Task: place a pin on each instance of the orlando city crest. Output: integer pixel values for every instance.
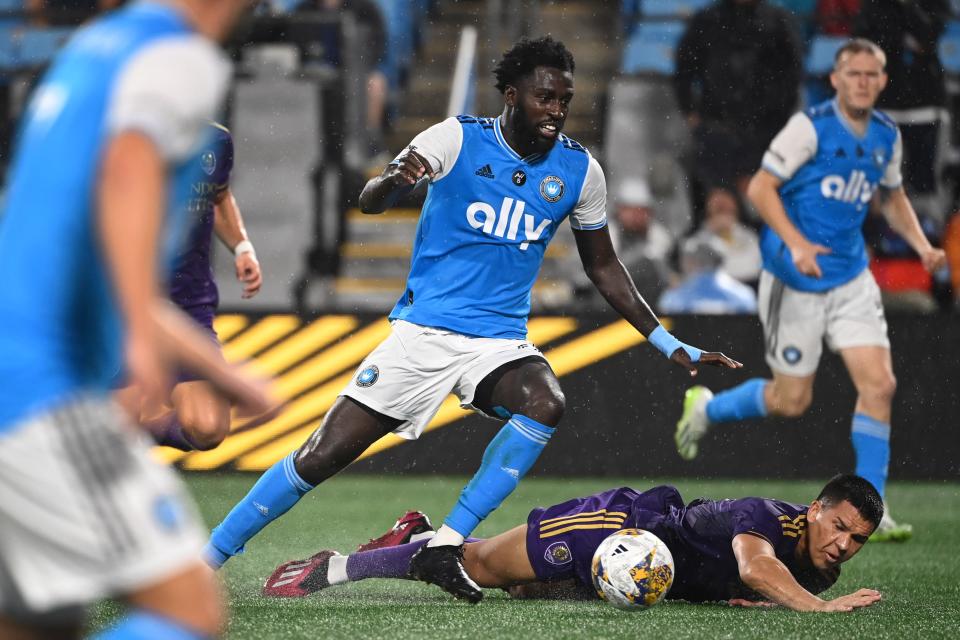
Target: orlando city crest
(208, 162)
(551, 188)
(558, 553)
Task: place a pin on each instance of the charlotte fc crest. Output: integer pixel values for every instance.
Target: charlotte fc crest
(208, 162)
(551, 188)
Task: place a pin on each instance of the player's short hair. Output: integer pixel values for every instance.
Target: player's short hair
(526, 55)
(859, 45)
(858, 492)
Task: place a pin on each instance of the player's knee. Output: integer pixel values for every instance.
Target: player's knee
(884, 388)
(546, 407)
(792, 403)
(205, 426)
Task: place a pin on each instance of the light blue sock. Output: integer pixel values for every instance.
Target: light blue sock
(507, 459)
(143, 625)
(740, 403)
(275, 492)
(871, 443)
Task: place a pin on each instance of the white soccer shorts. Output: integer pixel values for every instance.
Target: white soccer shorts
(85, 512)
(795, 323)
(409, 374)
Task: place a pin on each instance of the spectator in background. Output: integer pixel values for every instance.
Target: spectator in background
(909, 32)
(836, 17)
(737, 82)
(738, 243)
(951, 245)
(706, 287)
(643, 243)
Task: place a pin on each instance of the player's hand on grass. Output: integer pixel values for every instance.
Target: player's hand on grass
(248, 273)
(712, 358)
(804, 256)
(410, 167)
(933, 259)
(857, 600)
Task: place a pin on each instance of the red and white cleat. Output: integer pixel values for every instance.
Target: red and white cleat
(410, 524)
(299, 578)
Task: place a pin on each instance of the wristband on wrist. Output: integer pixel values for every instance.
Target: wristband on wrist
(666, 343)
(244, 247)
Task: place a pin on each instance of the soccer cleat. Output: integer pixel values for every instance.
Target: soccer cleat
(299, 578)
(889, 530)
(443, 566)
(408, 525)
(693, 424)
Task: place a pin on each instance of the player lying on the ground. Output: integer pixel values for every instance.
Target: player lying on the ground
(195, 417)
(747, 551)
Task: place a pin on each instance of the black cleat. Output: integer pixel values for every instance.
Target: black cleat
(443, 566)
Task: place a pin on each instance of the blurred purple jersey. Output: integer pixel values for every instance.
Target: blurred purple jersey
(562, 539)
(192, 286)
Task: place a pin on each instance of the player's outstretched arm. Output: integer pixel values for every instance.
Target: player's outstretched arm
(763, 193)
(615, 284)
(901, 216)
(397, 180)
(761, 571)
(229, 227)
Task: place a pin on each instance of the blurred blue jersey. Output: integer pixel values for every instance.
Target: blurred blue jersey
(829, 175)
(485, 227)
(60, 329)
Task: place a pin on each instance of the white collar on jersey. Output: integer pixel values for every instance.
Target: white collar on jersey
(498, 134)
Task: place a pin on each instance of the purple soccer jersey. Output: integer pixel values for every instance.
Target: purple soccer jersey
(192, 286)
(562, 539)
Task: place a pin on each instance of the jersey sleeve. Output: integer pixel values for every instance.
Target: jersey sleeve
(892, 178)
(760, 518)
(792, 147)
(439, 145)
(155, 96)
(590, 211)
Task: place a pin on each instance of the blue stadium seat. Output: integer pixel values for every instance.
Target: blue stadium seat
(950, 52)
(822, 51)
(38, 46)
(652, 47)
(671, 9)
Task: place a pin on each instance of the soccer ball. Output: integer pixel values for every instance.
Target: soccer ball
(632, 569)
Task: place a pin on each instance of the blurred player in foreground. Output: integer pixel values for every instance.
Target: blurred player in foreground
(813, 192)
(499, 189)
(106, 147)
(749, 551)
(196, 416)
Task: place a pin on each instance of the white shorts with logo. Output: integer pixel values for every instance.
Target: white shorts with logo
(410, 374)
(795, 323)
(86, 513)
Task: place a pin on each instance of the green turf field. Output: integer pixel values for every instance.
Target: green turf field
(919, 579)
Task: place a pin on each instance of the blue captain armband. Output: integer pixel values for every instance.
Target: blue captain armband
(666, 343)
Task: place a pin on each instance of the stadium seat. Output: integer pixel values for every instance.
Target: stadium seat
(819, 61)
(671, 9)
(652, 47)
(950, 52)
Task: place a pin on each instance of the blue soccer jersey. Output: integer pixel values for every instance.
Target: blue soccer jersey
(829, 175)
(139, 69)
(486, 223)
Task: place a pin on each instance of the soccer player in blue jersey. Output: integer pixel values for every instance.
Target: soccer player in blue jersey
(746, 551)
(196, 416)
(105, 146)
(813, 192)
(499, 189)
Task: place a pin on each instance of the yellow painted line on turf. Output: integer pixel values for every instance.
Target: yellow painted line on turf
(567, 358)
(229, 325)
(539, 331)
(259, 336)
(313, 405)
(314, 336)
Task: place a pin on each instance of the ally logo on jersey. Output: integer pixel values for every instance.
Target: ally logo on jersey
(855, 189)
(506, 224)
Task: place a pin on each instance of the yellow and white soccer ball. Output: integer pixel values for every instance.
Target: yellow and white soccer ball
(632, 569)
